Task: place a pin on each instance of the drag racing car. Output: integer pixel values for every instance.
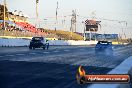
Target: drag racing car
(104, 47)
(38, 42)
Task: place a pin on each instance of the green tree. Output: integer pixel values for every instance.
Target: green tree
(2, 12)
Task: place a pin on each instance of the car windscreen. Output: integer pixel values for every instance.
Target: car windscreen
(104, 43)
(37, 39)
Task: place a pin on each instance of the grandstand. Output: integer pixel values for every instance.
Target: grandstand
(51, 34)
(18, 26)
(24, 29)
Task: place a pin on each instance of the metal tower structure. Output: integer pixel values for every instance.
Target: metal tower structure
(73, 21)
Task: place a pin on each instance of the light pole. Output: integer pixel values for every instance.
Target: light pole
(45, 22)
(19, 16)
(15, 12)
(84, 30)
(71, 29)
(15, 15)
(19, 12)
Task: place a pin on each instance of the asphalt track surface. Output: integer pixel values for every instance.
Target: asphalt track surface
(56, 67)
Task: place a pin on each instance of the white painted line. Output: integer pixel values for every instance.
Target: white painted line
(81, 49)
(1, 56)
(66, 50)
(10, 55)
(20, 54)
(74, 55)
(46, 52)
(55, 51)
(32, 53)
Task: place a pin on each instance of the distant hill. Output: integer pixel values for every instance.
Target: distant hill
(65, 35)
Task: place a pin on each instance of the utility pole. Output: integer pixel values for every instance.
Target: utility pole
(56, 23)
(36, 13)
(4, 15)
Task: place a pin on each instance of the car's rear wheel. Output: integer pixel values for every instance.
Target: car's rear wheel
(44, 47)
(30, 47)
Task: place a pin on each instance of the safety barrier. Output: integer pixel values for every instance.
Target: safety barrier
(25, 42)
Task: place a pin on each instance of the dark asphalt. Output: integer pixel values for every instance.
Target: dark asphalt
(56, 67)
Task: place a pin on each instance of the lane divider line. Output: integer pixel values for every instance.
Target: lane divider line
(55, 51)
(1, 56)
(81, 49)
(20, 54)
(46, 52)
(66, 50)
(32, 53)
(9, 55)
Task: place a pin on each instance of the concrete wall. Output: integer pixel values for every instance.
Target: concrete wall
(25, 42)
(14, 42)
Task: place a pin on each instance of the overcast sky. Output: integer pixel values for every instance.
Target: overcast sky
(104, 10)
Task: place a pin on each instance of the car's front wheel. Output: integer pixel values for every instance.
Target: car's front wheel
(33, 47)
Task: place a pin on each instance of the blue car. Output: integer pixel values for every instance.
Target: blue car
(104, 47)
